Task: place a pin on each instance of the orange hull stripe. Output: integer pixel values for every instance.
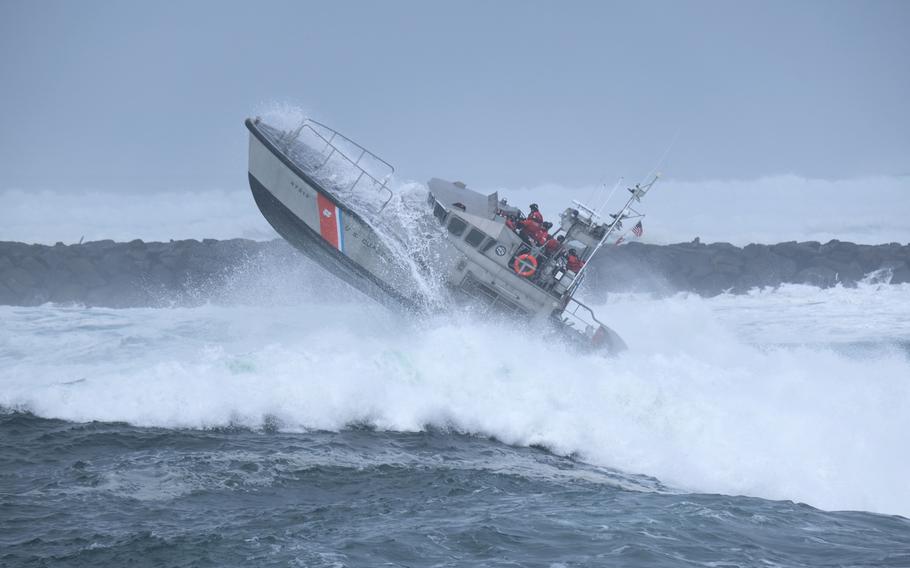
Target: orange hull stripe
(328, 221)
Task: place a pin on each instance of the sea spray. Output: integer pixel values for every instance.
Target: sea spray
(691, 403)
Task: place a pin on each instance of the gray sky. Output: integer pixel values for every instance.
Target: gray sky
(132, 96)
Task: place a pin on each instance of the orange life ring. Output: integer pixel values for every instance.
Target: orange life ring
(525, 265)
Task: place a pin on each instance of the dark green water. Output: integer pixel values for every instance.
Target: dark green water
(101, 494)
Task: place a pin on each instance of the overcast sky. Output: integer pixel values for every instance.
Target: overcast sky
(151, 96)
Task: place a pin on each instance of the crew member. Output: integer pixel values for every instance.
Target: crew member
(535, 214)
(529, 229)
(552, 245)
(574, 263)
(543, 235)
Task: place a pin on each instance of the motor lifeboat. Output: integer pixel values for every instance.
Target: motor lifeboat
(326, 195)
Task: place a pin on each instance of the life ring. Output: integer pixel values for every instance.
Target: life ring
(525, 265)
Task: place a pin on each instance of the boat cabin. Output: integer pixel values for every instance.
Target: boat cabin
(494, 264)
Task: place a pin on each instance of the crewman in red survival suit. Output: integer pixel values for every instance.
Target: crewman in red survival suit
(535, 214)
(529, 229)
(552, 245)
(543, 235)
(574, 263)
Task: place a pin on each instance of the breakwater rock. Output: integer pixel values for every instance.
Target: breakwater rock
(188, 272)
(711, 269)
(133, 274)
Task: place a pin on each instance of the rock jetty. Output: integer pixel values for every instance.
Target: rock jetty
(136, 274)
(711, 269)
(133, 274)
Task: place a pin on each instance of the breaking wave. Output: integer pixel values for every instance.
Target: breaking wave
(701, 401)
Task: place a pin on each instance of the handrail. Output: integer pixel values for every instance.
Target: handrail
(329, 142)
(573, 313)
(336, 133)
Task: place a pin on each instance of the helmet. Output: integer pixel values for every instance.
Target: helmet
(533, 207)
(561, 238)
(572, 252)
(547, 224)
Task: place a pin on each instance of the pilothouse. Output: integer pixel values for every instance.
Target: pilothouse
(327, 195)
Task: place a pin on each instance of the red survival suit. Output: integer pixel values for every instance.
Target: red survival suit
(574, 263)
(533, 230)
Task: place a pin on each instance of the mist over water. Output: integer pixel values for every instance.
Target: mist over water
(47, 217)
(767, 211)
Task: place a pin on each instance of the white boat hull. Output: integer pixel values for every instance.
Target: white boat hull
(314, 221)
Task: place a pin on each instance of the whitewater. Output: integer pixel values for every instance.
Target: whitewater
(797, 393)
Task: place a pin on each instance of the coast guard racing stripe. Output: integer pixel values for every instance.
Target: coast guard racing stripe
(330, 223)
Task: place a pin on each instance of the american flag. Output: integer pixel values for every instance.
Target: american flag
(637, 230)
(618, 241)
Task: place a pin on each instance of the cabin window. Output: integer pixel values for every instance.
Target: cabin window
(474, 238)
(457, 226)
(488, 245)
(440, 212)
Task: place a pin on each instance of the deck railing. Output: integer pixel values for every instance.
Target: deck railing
(575, 313)
(337, 145)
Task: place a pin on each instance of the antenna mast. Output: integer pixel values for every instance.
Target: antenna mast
(627, 212)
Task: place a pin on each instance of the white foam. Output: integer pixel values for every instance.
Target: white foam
(691, 403)
(871, 312)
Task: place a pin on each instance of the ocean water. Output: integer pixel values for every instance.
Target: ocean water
(314, 428)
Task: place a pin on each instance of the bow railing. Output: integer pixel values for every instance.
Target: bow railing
(580, 317)
(335, 147)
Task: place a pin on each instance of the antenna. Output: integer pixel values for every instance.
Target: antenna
(607, 200)
(595, 190)
(627, 212)
(663, 157)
